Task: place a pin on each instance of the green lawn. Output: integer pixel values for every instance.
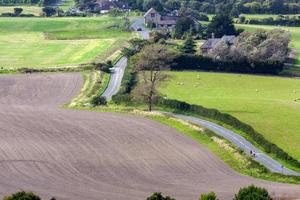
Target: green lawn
(266, 103)
(35, 10)
(51, 42)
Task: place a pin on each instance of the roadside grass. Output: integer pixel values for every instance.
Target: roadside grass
(269, 104)
(53, 42)
(94, 83)
(35, 10)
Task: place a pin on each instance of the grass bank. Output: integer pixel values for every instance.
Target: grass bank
(271, 105)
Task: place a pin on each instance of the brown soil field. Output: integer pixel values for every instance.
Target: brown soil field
(85, 155)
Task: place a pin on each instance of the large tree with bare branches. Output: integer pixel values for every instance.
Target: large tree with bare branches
(152, 61)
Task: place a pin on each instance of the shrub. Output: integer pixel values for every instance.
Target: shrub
(49, 11)
(208, 196)
(252, 192)
(159, 196)
(22, 196)
(98, 101)
(122, 98)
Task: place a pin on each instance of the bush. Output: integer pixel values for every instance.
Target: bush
(122, 98)
(203, 17)
(252, 192)
(22, 196)
(49, 11)
(231, 121)
(159, 196)
(98, 101)
(208, 196)
(105, 67)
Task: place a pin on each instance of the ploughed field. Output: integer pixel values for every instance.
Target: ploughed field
(53, 42)
(73, 154)
(271, 105)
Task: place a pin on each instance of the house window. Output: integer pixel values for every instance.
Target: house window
(152, 14)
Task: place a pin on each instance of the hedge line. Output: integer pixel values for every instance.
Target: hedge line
(232, 121)
(198, 62)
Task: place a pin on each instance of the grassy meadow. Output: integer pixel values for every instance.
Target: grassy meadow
(51, 42)
(35, 10)
(270, 104)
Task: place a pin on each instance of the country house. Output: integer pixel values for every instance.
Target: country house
(155, 20)
(209, 44)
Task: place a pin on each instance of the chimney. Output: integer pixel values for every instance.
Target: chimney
(213, 35)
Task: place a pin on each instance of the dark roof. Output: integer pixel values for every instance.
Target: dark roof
(107, 5)
(167, 22)
(210, 43)
(168, 17)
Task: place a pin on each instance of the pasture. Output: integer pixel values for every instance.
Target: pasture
(51, 42)
(35, 10)
(270, 104)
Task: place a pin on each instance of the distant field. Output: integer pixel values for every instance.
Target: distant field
(35, 10)
(295, 34)
(266, 103)
(47, 42)
(257, 16)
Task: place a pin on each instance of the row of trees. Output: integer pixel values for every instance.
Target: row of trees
(27, 2)
(280, 20)
(247, 193)
(251, 192)
(235, 7)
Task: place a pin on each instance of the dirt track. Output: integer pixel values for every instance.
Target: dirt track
(82, 155)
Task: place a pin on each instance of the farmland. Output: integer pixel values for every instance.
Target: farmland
(269, 104)
(35, 10)
(50, 42)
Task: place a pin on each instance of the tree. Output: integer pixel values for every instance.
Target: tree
(152, 61)
(159, 196)
(49, 11)
(189, 46)
(221, 24)
(18, 11)
(22, 196)
(252, 193)
(183, 25)
(208, 196)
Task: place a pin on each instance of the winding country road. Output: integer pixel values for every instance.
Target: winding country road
(238, 140)
(72, 154)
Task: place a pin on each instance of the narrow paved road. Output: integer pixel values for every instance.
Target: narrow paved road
(139, 23)
(233, 137)
(115, 78)
(240, 142)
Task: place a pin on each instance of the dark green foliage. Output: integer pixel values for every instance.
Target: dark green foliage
(214, 114)
(184, 25)
(18, 11)
(105, 67)
(221, 24)
(189, 46)
(49, 11)
(98, 101)
(203, 17)
(208, 196)
(199, 62)
(280, 20)
(22, 196)
(252, 193)
(158, 35)
(159, 196)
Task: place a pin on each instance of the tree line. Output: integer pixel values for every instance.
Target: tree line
(234, 7)
(27, 2)
(250, 192)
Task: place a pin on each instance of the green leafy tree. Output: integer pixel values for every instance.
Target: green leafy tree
(151, 62)
(49, 11)
(252, 193)
(221, 24)
(22, 196)
(159, 196)
(183, 25)
(189, 46)
(18, 11)
(208, 196)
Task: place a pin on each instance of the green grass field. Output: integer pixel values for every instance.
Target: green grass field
(51, 42)
(266, 103)
(35, 10)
